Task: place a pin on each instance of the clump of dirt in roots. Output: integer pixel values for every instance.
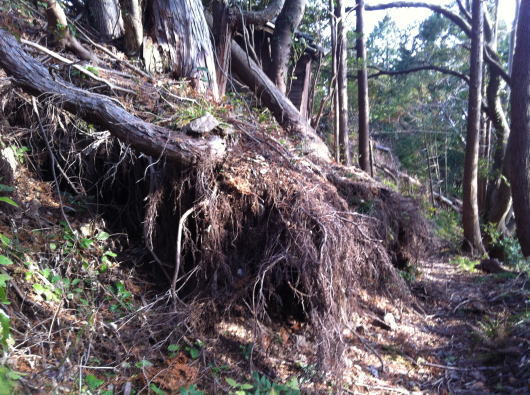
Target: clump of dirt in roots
(276, 236)
(265, 232)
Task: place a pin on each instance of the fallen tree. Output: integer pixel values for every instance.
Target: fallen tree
(145, 137)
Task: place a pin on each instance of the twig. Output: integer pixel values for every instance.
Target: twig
(73, 64)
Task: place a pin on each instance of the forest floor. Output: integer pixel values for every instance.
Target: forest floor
(463, 331)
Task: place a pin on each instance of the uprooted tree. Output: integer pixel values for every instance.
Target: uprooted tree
(290, 237)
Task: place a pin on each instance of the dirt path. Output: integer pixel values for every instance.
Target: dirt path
(472, 336)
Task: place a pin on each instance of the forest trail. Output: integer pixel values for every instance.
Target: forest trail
(468, 340)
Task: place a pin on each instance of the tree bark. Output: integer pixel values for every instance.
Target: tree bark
(131, 11)
(223, 25)
(470, 212)
(60, 33)
(262, 16)
(183, 38)
(518, 143)
(281, 107)
(286, 24)
(362, 88)
(106, 18)
(342, 82)
(150, 139)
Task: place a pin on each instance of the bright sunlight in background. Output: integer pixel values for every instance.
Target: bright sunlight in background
(412, 16)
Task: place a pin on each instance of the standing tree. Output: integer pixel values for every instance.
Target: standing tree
(183, 37)
(286, 24)
(362, 81)
(518, 143)
(342, 82)
(470, 213)
(106, 17)
(131, 11)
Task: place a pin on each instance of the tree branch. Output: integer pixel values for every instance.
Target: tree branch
(489, 53)
(439, 69)
(262, 16)
(455, 18)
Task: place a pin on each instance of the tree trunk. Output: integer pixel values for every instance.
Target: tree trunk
(518, 143)
(106, 17)
(223, 25)
(183, 38)
(286, 24)
(362, 87)
(333, 81)
(470, 214)
(59, 32)
(342, 82)
(281, 107)
(131, 11)
(150, 139)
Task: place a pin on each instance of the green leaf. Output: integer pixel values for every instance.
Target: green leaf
(85, 243)
(6, 241)
(7, 200)
(53, 246)
(5, 328)
(156, 390)
(194, 353)
(93, 382)
(102, 236)
(4, 278)
(231, 382)
(246, 386)
(173, 347)
(144, 363)
(4, 260)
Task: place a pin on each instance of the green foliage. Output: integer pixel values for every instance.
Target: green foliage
(509, 246)
(447, 225)
(191, 390)
(465, 263)
(8, 380)
(93, 382)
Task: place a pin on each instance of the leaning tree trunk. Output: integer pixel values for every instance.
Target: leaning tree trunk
(362, 87)
(106, 17)
(342, 82)
(131, 11)
(281, 107)
(286, 24)
(470, 213)
(181, 32)
(518, 143)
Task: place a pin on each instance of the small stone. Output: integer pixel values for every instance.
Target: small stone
(202, 125)
(390, 320)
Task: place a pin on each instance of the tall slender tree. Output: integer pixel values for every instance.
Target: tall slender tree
(342, 82)
(362, 83)
(470, 212)
(519, 141)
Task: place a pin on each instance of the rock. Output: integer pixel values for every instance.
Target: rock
(202, 125)
(390, 320)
